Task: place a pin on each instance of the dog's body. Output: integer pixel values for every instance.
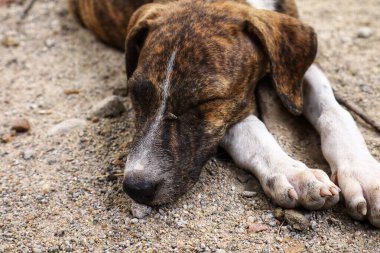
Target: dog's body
(192, 67)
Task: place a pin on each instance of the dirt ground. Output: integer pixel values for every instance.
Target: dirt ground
(54, 196)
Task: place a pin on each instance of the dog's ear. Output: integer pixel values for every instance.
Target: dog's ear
(290, 46)
(138, 29)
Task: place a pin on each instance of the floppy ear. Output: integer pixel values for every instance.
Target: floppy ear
(291, 47)
(138, 29)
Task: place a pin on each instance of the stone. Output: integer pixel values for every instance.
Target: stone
(20, 125)
(248, 194)
(53, 249)
(366, 88)
(6, 138)
(49, 43)
(46, 188)
(71, 91)
(140, 211)
(28, 154)
(296, 220)
(108, 107)
(257, 227)
(9, 41)
(37, 249)
(67, 126)
(279, 213)
(365, 32)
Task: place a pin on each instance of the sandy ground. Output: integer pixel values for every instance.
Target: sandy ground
(56, 200)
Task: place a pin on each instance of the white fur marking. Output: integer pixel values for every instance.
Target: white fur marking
(263, 4)
(147, 142)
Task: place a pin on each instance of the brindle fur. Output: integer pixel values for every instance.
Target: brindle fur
(223, 48)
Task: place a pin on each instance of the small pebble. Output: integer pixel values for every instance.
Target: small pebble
(37, 249)
(10, 42)
(21, 125)
(6, 138)
(313, 225)
(67, 126)
(108, 107)
(297, 220)
(249, 194)
(279, 239)
(46, 188)
(71, 91)
(365, 32)
(49, 43)
(257, 227)
(366, 88)
(279, 213)
(28, 154)
(53, 249)
(251, 219)
(140, 211)
(220, 251)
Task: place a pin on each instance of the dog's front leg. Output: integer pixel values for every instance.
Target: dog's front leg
(352, 165)
(288, 182)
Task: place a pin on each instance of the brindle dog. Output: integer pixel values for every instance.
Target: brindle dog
(192, 68)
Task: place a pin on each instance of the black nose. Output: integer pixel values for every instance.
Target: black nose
(141, 191)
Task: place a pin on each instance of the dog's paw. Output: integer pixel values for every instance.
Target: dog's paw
(291, 184)
(360, 184)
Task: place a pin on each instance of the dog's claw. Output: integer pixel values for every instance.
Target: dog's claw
(334, 190)
(325, 192)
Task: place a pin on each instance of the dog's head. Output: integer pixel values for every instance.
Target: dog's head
(192, 68)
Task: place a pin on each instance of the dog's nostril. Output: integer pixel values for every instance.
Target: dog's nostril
(141, 191)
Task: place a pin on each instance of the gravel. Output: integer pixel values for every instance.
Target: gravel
(63, 188)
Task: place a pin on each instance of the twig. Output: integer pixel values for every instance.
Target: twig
(27, 9)
(116, 175)
(279, 229)
(352, 107)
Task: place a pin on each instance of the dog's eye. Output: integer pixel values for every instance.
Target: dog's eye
(209, 100)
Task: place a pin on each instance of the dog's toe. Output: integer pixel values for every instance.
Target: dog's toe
(296, 185)
(279, 189)
(361, 191)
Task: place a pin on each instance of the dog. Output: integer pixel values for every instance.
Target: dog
(192, 68)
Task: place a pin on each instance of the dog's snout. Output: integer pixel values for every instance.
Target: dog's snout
(140, 190)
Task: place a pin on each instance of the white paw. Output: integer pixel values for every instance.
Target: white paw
(291, 184)
(360, 184)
